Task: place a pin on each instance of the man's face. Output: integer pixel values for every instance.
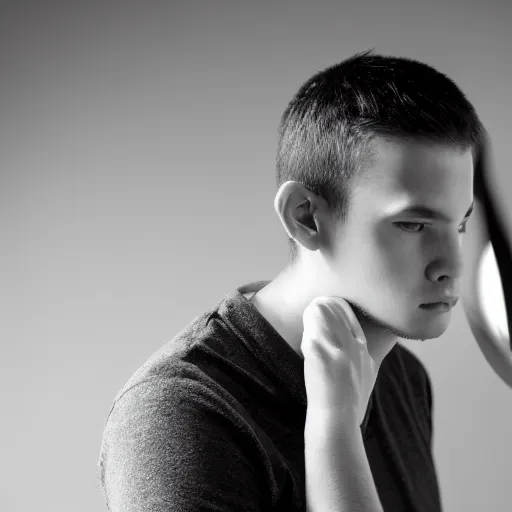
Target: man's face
(387, 269)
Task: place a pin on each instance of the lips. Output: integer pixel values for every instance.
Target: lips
(449, 302)
(437, 306)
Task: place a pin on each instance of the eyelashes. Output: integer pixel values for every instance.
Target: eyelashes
(400, 224)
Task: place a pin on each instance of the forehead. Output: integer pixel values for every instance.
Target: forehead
(405, 173)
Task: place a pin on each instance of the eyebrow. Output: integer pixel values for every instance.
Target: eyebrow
(428, 213)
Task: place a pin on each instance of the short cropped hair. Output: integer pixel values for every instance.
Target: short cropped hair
(326, 132)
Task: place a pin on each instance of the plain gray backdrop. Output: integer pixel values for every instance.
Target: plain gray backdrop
(138, 146)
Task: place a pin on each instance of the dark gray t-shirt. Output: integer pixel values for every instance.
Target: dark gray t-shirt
(214, 421)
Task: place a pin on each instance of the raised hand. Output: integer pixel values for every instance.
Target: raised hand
(338, 370)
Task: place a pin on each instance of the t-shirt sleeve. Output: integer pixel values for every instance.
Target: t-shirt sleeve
(170, 445)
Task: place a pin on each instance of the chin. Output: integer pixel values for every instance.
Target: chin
(419, 328)
(429, 331)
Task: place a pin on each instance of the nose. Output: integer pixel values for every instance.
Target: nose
(448, 263)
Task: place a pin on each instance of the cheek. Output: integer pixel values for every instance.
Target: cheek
(378, 263)
(372, 273)
(386, 269)
(399, 256)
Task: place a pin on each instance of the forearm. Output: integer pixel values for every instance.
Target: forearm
(338, 475)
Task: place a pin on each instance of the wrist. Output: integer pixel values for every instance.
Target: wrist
(324, 420)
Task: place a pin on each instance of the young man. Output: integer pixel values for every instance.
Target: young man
(375, 178)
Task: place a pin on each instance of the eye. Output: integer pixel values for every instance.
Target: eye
(410, 224)
(462, 228)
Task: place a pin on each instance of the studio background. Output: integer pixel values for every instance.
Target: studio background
(138, 144)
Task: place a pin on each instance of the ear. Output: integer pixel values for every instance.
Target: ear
(302, 214)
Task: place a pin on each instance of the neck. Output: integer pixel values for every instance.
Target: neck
(283, 300)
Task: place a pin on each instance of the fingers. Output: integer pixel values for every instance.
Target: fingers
(333, 317)
(318, 353)
(350, 318)
(330, 327)
(315, 319)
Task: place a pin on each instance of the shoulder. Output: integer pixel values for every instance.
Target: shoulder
(174, 431)
(188, 373)
(176, 426)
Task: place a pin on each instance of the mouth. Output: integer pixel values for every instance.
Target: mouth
(437, 306)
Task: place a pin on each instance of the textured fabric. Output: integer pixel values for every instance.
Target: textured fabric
(214, 421)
